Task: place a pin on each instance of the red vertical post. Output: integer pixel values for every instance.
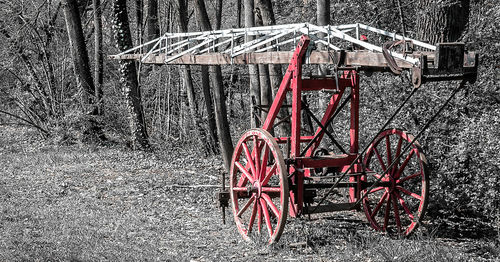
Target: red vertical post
(354, 129)
(354, 192)
(297, 197)
(298, 179)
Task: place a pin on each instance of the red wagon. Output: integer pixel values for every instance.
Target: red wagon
(273, 177)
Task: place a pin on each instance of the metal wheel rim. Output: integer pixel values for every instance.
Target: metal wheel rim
(402, 204)
(259, 196)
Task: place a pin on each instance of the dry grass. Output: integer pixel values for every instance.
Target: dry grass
(88, 203)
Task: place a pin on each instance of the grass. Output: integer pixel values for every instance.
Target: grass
(90, 203)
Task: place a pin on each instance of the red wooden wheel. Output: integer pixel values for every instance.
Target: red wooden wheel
(398, 203)
(259, 186)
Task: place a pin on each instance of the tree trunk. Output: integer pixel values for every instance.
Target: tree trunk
(323, 18)
(212, 125)
(139, 16)
(79, 53)
(442, 21)
(265, 9)
(253, 70)
(98, 55)
(128, 78)
(188, 81)
(218, 15)
(225, 142)
(264, 81)
(153, 28)
(238, 13)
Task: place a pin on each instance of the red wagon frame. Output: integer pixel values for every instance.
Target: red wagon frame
(389, 177)
(258, 157)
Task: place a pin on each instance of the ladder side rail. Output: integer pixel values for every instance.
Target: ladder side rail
(372, 47)
(399, 37)
(219, 44)
(244, 46)
(208, 41)
(139, 46)
(270, 39)
(293, 39)
(149, 52)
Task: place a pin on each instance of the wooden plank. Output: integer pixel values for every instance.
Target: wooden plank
(325, 161)
(352, 58)
(329, 208)
(323, 84)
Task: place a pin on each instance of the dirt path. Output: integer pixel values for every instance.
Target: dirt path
(85, 203)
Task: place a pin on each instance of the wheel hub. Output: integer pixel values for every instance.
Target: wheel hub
(257, 188)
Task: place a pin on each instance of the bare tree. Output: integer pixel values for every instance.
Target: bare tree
(265, 9)
(211, 123)
(323, 18)
(225, 142)
(153, 28)
(128, 78)
(188, 81)
(264, 81)
(253, 70)
(79, 52)
(98, 55)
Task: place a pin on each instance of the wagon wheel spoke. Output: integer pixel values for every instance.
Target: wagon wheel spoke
(376, 189)
(244, 172)
(409, 193)
(403, 165)
(247, 205)
(249, 158)
(256, 158)
(269, 174)
(400, 181)
(396, 213)
(379, 205)
(271, 205)
(398, 148)
(387, 211)
(379, 157)
(243, 179)
(388, 150)
(252, 217)
(263, 168)
(267, 219)
(259, 216)
(405, 207)
(240, 189)
(271, 189)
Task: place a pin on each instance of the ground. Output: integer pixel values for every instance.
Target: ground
(93, 203)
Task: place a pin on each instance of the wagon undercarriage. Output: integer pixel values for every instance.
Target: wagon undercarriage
(273, 177)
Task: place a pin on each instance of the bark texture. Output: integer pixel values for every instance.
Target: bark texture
(98, 55)
(211, 123)
(264, 81)
(265, 9)
(323, 18)
(442, 21)
(153, 28)
(128, 79)
(253, 70)
(225, 142)
(79, 53)
(188, 82)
